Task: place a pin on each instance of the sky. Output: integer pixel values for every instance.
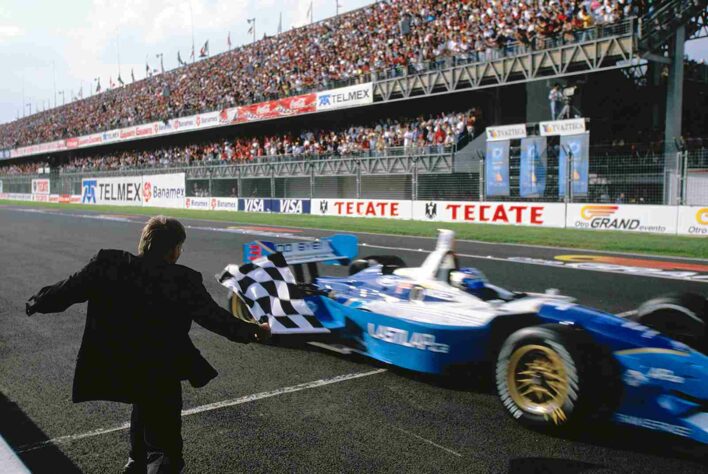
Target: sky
(48, 44)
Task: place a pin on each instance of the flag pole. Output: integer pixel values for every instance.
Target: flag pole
(54, 81)
(191, 22)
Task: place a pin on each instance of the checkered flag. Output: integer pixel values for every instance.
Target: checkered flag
(268, 289)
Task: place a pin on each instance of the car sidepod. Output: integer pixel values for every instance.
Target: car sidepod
(665, 390)
(664, 383)
(422, 347)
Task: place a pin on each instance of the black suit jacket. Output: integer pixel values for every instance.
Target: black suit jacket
(137, 324)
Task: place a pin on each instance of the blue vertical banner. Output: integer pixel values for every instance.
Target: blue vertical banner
(496, 166)
(578, 146)
(532, 176)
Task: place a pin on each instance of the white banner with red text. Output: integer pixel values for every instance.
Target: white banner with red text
(387, 209)
(510, 213)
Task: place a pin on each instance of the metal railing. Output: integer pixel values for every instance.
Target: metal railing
(678, 178)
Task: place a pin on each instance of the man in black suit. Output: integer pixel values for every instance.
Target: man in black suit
(136, 347)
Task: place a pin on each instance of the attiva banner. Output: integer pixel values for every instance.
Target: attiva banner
(574, 149)
(533, 172)
(497, 168)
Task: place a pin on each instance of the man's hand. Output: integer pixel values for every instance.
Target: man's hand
(263, 332)
(31, 305)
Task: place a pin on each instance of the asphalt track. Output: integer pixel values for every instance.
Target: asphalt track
(296, 409)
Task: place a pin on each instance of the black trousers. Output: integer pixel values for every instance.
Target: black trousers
(156, 428)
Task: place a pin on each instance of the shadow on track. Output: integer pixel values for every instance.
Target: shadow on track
(19, 430)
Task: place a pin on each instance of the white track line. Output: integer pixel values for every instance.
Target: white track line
(210, 407)
(425, 440)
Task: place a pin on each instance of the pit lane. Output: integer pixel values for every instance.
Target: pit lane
(389, 421)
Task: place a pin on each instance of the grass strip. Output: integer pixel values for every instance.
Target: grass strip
(633, 242)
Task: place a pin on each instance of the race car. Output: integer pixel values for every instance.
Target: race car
(556, 363)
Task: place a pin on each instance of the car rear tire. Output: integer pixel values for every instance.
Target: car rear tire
(548, 377)
(389, 263)
(680, 316)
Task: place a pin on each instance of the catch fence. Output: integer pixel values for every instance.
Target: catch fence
(648, 178)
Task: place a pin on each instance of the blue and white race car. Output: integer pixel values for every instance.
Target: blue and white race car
(556, 362)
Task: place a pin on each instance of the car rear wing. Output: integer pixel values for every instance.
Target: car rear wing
(339, 249)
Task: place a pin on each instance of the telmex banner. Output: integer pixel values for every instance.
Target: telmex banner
(360, 94)
(162, 190)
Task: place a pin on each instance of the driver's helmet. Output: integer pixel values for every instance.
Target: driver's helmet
(468, 279)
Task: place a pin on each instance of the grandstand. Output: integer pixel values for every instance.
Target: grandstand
(419, 82)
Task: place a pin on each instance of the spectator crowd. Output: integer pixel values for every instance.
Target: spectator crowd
(432, 134)
(387, 37)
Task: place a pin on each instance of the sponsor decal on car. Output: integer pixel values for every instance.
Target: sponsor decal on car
(402, 337)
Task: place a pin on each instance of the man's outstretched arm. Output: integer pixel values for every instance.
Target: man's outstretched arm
(58, 297)
(207, 313)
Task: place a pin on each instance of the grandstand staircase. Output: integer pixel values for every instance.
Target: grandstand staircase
(658, 29)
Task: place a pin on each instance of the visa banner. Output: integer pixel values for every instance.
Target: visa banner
(282, 206)
(577, 146)
(532, 175)
(497, 168)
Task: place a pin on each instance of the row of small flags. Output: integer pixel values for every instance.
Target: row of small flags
(203, 53)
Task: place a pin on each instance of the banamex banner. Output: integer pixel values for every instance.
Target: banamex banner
(624, 217)
(509, 213)
(164, 190)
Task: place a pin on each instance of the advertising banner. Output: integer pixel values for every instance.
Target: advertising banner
(515, 213)
(362, 208)
(693, 220)
(119, 191)
(626, 217)
(40, 186)
(496, 167)
(254, 205)
(164, 190)
(578, 148)
(532, 175)
(562, 127)
(223, 204)
(290, 206)
(197, 203)
(360, 94)
(506, 132)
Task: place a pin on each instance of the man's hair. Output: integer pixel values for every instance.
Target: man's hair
(160, 235)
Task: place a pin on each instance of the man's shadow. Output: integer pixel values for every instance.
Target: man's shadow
(20, 431)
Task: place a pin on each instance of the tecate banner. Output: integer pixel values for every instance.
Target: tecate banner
(40, 186)
(506, 132)
(122, 191)
(625, 217)
(164, 190)
(360, 94)
(693, 220)
(514, 213)
(362, 208)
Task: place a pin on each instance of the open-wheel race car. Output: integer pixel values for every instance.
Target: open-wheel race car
(556, 362)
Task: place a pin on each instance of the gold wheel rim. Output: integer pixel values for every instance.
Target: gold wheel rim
(538, 381)
(239, 310)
